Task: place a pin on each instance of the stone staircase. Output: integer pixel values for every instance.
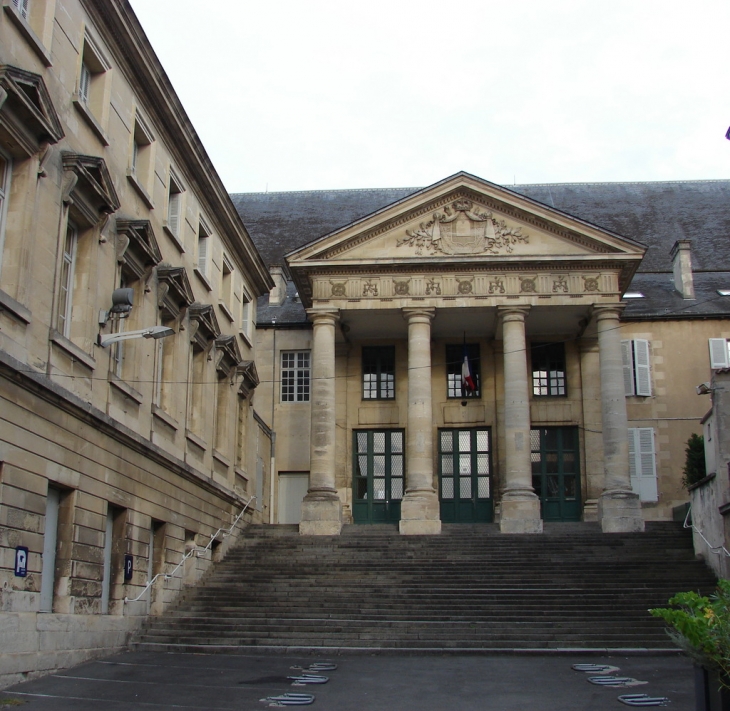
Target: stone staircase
(469, 589)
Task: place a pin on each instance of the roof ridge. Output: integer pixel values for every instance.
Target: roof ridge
(621, 182)
(333, 190)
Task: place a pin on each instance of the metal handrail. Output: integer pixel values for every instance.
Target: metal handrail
(717, 550)
(197, 551)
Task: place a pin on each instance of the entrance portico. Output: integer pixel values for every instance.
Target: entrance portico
(465, 267)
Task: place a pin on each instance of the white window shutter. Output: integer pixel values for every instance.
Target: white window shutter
(642, 463)
(202, 254)
(627, 360)
(84, 84)
(641, 367)
(173, 213)
(648, 482)
(719, 353)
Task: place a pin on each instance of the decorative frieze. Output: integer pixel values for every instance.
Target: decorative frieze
(475, 285)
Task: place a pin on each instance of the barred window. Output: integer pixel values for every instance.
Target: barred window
(295, 376)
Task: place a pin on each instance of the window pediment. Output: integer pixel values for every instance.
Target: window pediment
(27, 115)
(174, 292)
(137, 247)
(250, 377)
(228, 356)
(204, 326)
(89, 188)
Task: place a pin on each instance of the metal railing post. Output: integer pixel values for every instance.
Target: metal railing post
(198, 552)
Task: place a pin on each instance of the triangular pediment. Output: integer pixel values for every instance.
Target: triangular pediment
(465, 222)
(464, 218)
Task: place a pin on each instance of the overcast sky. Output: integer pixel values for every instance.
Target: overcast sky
(322, 94)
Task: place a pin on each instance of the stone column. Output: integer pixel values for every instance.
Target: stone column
(321, 507)
(592, 426)
(520, 505)
(619, 509)
(420, 505)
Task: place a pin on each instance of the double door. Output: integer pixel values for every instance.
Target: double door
(465, 475)
(556, 472)
(379, 470)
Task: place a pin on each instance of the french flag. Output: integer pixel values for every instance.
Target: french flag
(467, 378)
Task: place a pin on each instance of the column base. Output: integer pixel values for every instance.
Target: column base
(590, 510)
(419, 514)
(321, 515)
(619, 511)
(520, 514)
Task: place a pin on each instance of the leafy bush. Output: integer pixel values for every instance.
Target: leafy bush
(694, 467)
(701, 627)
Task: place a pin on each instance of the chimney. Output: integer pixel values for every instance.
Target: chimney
(277, 295)
(682, 267)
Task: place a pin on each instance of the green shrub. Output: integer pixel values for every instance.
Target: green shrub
(701, 627)
(694, 467)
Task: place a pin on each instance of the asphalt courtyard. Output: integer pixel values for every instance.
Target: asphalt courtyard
(148, 681)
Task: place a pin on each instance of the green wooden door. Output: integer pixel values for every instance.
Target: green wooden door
(465, 471)
(379, 468)
(556, 472)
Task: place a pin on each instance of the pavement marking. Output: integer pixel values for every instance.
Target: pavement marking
(151, 683)
(112, 701)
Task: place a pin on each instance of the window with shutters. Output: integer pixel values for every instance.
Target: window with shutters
(22, 6)
(642, 463)
(247, 315)
(175, 192)
(204, 251)
(66, 281)
(94, 88)
(295, 376)
(34, 19)
(142, 160)
(636, 365)
(719, 353)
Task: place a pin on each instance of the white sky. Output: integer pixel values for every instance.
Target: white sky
(322, 94)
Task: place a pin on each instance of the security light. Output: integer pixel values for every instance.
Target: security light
(153, 332)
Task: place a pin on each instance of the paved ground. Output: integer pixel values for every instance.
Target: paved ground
(146, 681)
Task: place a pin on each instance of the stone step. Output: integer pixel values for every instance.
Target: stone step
(469, 588)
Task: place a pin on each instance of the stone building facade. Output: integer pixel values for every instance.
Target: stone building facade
(115, 459)
(584, 312)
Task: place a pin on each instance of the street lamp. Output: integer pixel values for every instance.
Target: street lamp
(155, 332)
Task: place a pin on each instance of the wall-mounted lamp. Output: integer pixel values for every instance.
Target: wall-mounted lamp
(153, 332)
(704, 389)
(122, 302)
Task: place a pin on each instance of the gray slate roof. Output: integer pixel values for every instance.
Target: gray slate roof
(655, 214)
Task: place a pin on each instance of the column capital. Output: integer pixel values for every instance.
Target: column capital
(419, 314)
(512, 313)
(608, 311)
(323, 315)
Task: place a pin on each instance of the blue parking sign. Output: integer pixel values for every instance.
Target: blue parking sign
(128, 567)
(21, 562)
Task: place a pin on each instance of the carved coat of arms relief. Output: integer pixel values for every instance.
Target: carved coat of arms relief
(463, 229)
